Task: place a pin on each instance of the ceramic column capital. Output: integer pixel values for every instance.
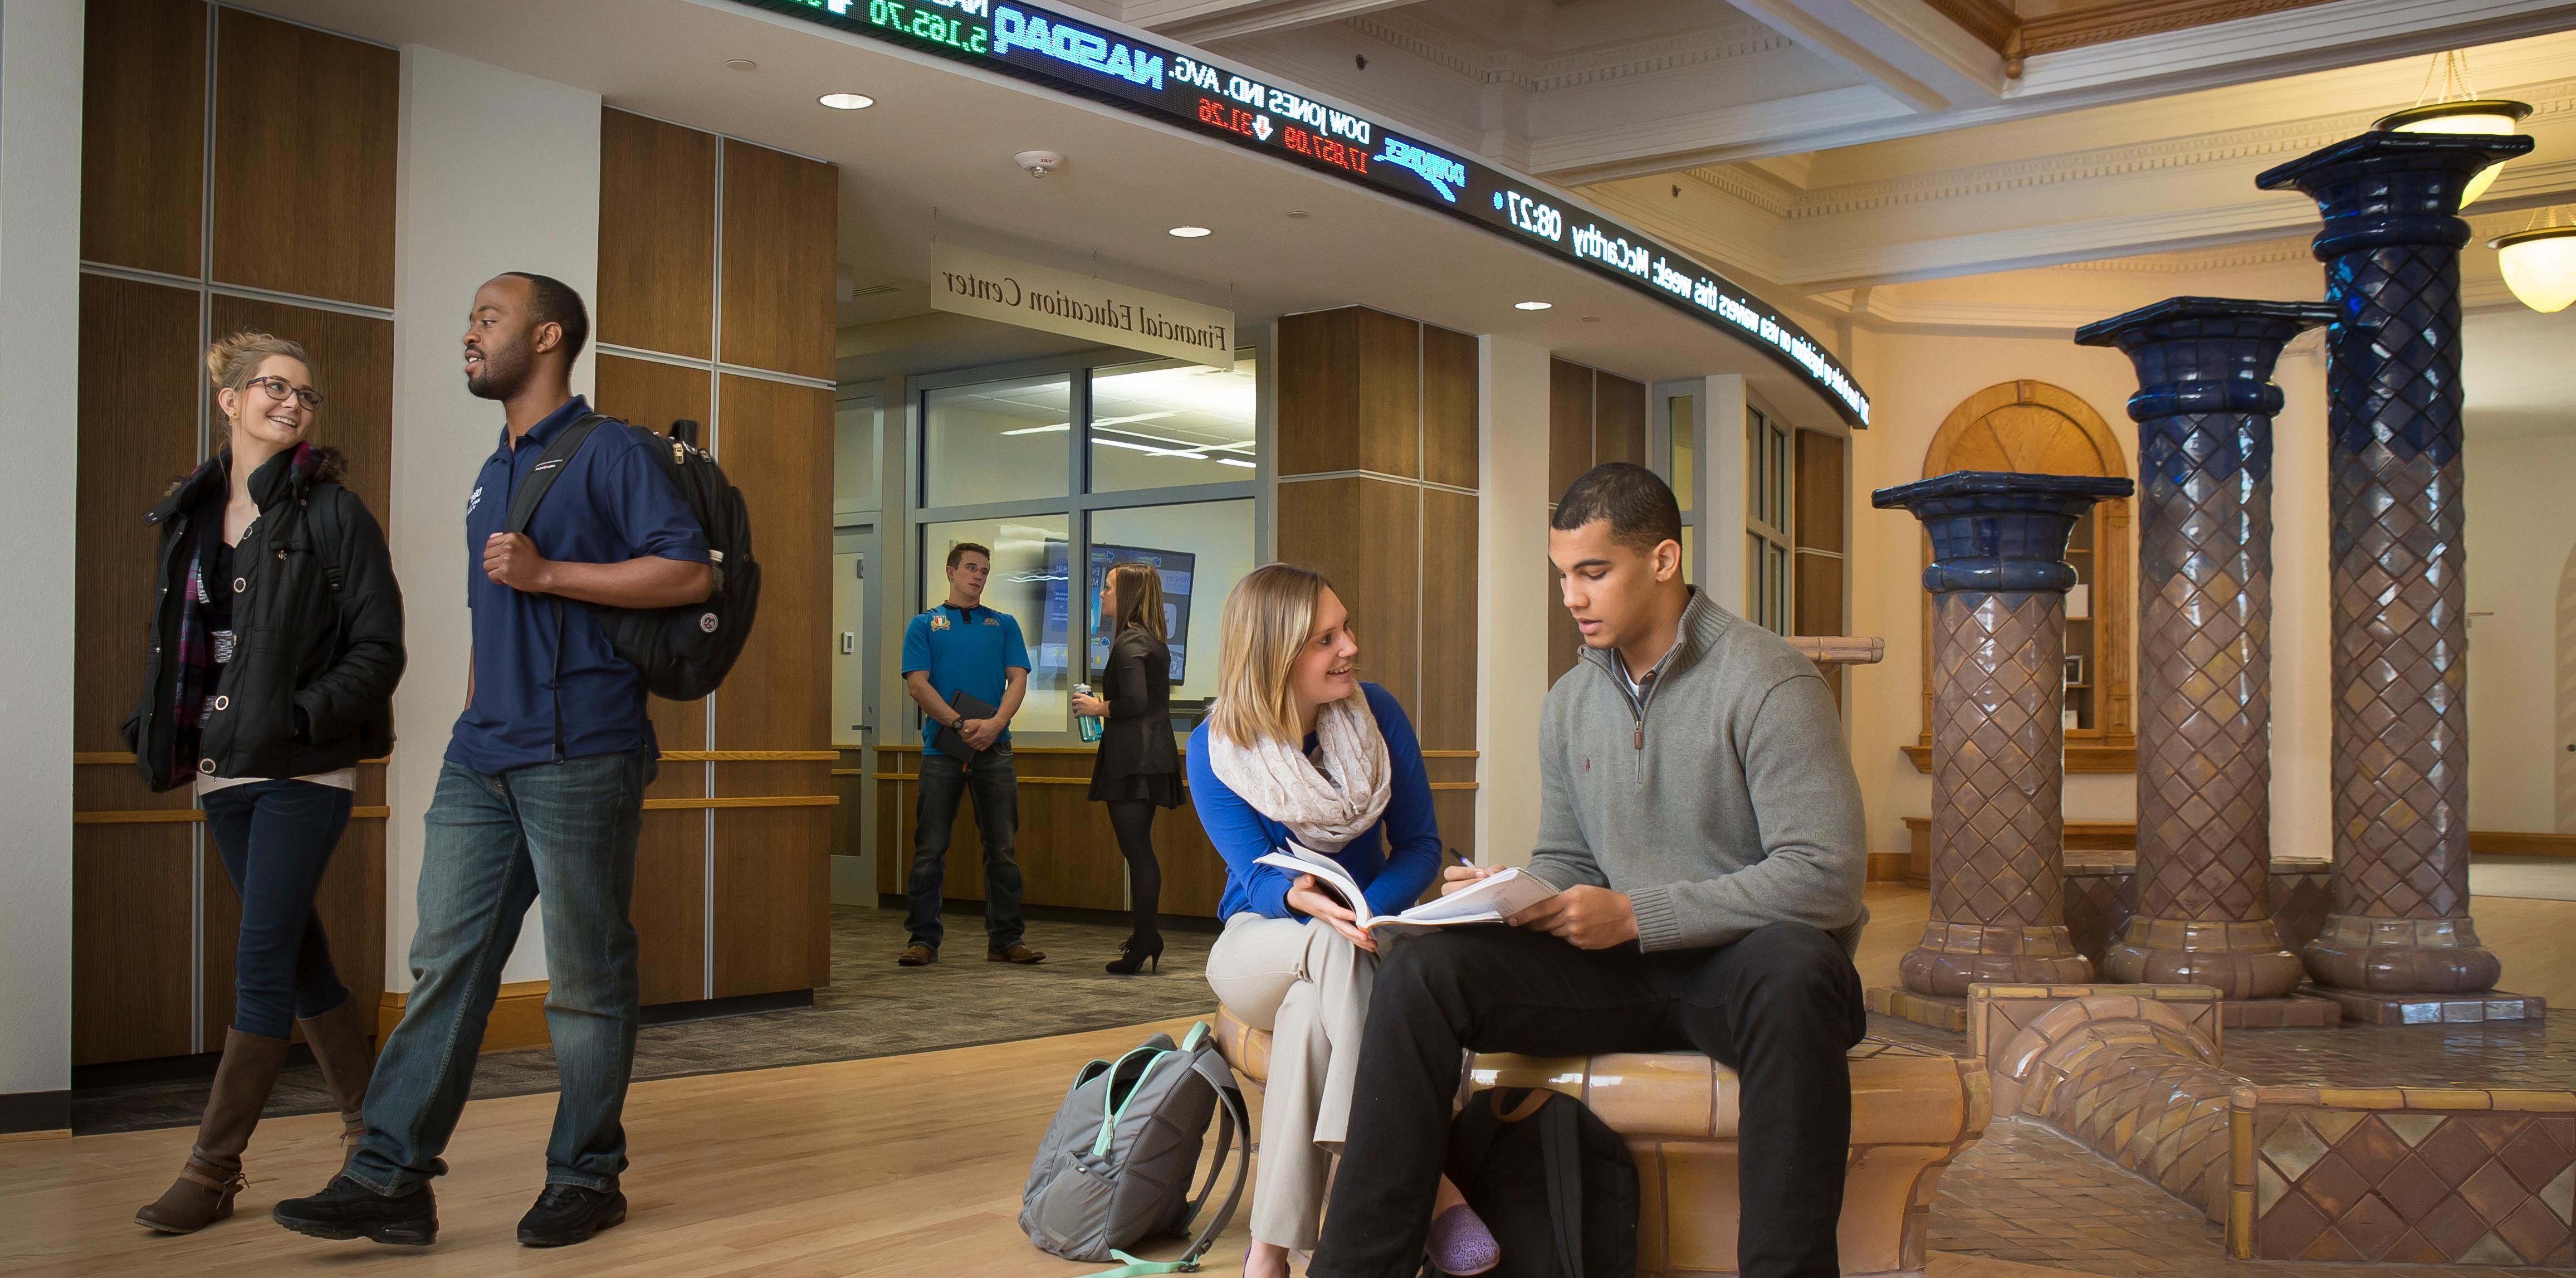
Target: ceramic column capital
(2384, 189)
(1999, 531)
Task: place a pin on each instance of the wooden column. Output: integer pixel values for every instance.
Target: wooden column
(1377, 461)
(733, 875)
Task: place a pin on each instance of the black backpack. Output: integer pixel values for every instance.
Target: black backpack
(1556, 1186)
(684, 651)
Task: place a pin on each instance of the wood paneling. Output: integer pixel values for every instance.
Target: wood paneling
(773, 900)
(1349, 391)
(143, 134)
(1569, 425)
(305, 132)
(781, 218)
(1365, 534)
(775, 441)
(1564, 642)
(1449, 408)
(670, 908)
(1821, 493)
(657, 239)
(1618, 420)
(1456, 812)
(1447, 716)
(353, 364)
(138, 433)
(653, 394)
(130, 938)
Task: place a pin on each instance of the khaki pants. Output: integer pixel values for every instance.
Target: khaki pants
(1309, 986)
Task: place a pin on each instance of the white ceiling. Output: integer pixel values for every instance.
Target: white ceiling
(941, 137)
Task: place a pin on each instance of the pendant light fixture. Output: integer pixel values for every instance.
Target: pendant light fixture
(2457, 108)
(2539, 264)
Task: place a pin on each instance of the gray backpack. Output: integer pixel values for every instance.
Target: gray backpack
(1116, 1163)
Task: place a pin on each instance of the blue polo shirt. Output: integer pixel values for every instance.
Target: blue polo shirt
(965, 650)
(612, 503)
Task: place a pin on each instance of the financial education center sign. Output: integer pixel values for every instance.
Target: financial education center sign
(1079, 55)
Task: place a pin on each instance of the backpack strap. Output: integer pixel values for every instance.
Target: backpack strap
(550, 466)
(1561, 1141)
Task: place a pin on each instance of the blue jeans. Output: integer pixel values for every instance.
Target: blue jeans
(561, 835)
(995, 784)
(275, 837)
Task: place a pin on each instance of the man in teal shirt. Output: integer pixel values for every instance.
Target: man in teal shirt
(962, 649)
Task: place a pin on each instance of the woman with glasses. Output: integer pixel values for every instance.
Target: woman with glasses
(274, 646)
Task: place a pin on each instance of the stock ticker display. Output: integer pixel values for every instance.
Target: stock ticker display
(1079, 55)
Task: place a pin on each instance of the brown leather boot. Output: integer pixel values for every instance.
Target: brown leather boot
(339, 1041)
(203, 1194)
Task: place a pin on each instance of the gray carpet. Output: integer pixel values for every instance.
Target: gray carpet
(872, 1008)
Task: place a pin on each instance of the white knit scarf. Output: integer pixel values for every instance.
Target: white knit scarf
(1324, 809)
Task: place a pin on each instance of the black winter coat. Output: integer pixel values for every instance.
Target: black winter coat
(317, 624)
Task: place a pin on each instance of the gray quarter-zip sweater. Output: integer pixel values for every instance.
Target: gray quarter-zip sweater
(1719, 796)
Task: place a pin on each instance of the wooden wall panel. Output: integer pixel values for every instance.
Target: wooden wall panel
(1349, 391)
(130, 938)
(353, 364)
(670, 910)
(1449, 408)
(773, 904)
(138, 432)
(1446, 719)
(304, 171)
(1564, 642)
(776, 443)
(1618, 420)
(1569, 425)
(781, 220)
(1365, 535)
(1456, 812)
(1821, 493)
(143, 134)
(657, 238)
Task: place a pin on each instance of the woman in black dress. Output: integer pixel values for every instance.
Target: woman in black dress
(1138, 768)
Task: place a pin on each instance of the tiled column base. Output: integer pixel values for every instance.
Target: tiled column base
(2299, 1011)
(2437, 957)
(1954, 956)
(2239, 958)
(2432, 1009)
(1937, 1011)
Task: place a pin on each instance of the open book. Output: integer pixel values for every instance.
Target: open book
(1491, 900)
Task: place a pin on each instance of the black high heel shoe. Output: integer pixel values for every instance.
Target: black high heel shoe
(1132, 958)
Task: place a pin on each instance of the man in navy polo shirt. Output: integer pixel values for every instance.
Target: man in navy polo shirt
(961, 646)
(541, 798)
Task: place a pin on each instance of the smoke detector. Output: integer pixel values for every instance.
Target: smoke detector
(1038, 163)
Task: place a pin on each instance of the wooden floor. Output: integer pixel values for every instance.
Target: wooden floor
(906, 1165)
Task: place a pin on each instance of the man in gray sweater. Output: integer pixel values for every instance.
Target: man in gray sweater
(1700, 817)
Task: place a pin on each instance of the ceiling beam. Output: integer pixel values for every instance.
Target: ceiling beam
(1906, 49)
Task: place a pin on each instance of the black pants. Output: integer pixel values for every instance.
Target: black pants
(1133, 820)
(1780, 1006)
(275, 838)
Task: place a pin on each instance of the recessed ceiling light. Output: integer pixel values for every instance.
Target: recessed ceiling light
(1531, 306)
(1191, 232)
(847, 101)
(741, 64)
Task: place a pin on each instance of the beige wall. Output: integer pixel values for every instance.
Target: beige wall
(2522, 531)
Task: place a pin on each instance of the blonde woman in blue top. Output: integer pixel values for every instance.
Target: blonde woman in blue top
(1296, 747)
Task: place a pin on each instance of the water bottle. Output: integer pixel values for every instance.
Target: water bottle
(1088, 724)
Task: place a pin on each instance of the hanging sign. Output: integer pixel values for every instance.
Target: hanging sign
(1078, 53)
(972, 282)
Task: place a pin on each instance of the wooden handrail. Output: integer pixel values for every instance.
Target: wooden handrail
(1840, 650)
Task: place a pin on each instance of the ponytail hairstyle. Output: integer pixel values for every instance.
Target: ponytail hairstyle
(1137, 592)
(1267, 620)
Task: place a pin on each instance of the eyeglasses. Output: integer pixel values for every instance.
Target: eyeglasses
(279, 390)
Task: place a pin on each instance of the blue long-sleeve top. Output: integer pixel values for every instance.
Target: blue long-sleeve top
(1393, 862)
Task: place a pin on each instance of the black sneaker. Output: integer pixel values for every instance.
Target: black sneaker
(568, 1214)
(347, 1209)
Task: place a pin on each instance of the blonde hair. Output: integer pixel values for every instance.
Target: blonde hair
(233, 361)
(1268, 619)
(1138, 591)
